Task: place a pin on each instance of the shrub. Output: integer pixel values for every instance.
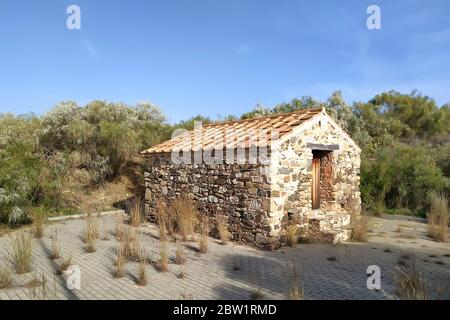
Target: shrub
(400, 176)
(438, 218)
(22, 252)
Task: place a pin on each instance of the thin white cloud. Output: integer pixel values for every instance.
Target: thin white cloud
(242, 49)
(93, 53)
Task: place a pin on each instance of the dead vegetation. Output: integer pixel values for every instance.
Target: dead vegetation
(142, 278)
(90, 233)
(163, 263)
(65, 263)
(257, 294)
(120, 228)
(5, 278)
(105, 236)
(38, 288)
(291, 231)
(296, 291)
(133, 248)
(56, 252)
(180, 257)
(37, 227)
(119, 265)
(438, 218)
(410, 283)
(22, 252)
(185, 214)
(204, 231)
(222, 228)
(163, 220)
(360, 225)
(135, 209)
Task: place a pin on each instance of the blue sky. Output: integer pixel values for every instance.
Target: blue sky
(219, 56)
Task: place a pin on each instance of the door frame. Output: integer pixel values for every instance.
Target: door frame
(315, 183)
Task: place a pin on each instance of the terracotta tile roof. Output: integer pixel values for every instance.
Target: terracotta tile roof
(214, 135)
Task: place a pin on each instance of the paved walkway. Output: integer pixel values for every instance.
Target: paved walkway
(234, 271)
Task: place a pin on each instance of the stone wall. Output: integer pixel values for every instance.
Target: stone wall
(291, 171)
(241, 191)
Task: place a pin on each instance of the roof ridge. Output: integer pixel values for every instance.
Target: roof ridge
(302, 111)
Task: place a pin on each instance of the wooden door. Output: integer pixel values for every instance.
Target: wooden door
(315, 184)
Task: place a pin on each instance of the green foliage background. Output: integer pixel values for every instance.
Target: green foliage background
(405, 140)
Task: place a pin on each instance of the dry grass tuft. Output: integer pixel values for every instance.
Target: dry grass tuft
(105, 236)
(360, 225)
(142, 279)
(410, 284)
(438, 218)
(39, 220)
(65, 264)
(181, 274)
(131, 244)
(38, 289)
(119, 265)
(222, 228)
(185, 213)
(120, 228)
(89, 243)
(133, 249)
(163, 264)
(5, 278)
(180, 257)
(35, 282)
(56, 252)
(90, 233)
(135, 208)
(204, 230)
(130, 234)
(257, 294)
(22, 252)
(291, 232)
(296, 291)
(163, 220)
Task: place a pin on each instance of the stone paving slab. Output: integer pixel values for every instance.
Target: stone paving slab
(233, 271)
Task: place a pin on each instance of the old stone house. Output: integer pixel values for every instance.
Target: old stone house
(264, 174)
